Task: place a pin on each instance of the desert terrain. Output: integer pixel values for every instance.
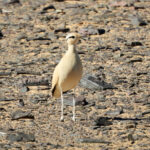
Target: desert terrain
(113, 96)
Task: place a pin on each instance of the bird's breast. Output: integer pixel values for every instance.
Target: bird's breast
(70, 72)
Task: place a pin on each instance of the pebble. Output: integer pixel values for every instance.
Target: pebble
(24, 89)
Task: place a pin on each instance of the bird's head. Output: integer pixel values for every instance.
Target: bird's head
(72, 38)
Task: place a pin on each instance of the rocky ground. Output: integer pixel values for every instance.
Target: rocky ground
(113, 97)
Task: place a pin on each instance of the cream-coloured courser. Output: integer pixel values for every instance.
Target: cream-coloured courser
(68, 72)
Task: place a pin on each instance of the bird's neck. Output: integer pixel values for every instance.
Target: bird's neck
(71, 48)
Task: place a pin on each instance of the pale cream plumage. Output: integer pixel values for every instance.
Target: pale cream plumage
(68, 72)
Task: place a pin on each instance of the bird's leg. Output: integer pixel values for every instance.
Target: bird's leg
(62, 106)
(74, 105)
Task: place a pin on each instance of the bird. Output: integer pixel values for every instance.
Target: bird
(67, 72)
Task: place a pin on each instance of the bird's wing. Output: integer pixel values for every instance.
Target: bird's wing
(54, 80)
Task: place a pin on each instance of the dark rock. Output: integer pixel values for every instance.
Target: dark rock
(133, 60)
(21, 137)
(11, 1)
(7, 99)
(81, 100)
(101, 31)
(22, 71)
(136, 44)
(146, 112)
(19, 114)
(21, 102)
(2, 109)
(133, 44)
(88, 140)
(64, 30)
(1, 35)
(102, 121)
(141, 73)
(47, 8)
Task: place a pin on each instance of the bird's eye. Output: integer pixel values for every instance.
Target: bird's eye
(72, 37)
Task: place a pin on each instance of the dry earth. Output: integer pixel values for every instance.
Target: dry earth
(113, 97)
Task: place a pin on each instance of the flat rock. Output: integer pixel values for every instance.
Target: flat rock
(88, 140)
(114, 112)
(92, 83)
(19, 114)
(137, 21)
(21, 137)
(91, 31)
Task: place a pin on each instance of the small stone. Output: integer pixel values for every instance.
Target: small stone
(21, 102)
(102, 121)
(114, 112)
(19, 114)
(36, 98)
(24, 89)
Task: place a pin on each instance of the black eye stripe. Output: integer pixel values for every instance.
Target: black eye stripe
(72, 37)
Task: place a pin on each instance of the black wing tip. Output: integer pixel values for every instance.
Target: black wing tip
(53, 90)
